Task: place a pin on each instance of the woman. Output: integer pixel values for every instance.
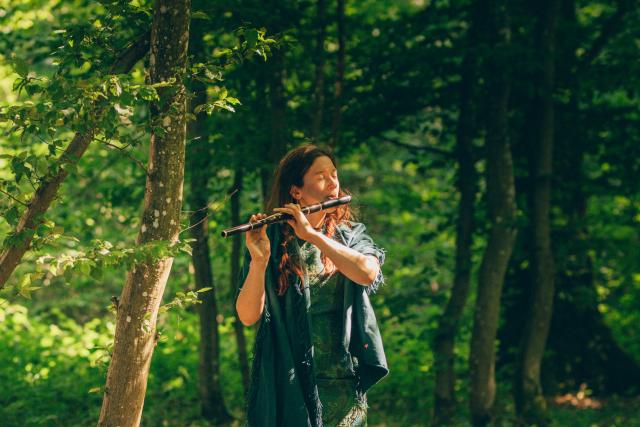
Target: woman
(318, 349)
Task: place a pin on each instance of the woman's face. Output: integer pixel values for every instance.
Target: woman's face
(320, 183)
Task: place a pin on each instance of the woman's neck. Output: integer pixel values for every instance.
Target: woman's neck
(316, 219)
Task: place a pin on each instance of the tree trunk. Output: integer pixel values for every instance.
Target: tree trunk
(337, 95)
(530, 402)
(211, 396)
(444, 399)
(502, 213)
(135, 336)
(318, 110)
(235, 274)
(279, 139)
(587, 354)
(33, 216)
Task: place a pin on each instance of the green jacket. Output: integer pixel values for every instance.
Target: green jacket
(283, 391)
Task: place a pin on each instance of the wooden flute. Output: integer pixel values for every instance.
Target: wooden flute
(281, 217)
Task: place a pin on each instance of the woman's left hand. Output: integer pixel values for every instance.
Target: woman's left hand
(300, 223)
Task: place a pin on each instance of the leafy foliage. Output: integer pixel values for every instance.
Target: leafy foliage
(400, 107)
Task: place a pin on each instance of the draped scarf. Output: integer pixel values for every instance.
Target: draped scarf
(282, 390)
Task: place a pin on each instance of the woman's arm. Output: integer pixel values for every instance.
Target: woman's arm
(361, 269)
(250, 301)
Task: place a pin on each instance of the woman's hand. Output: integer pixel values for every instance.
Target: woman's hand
(257, 241)
(300, 223)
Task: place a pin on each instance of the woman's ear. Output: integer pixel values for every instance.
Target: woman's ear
(295, 193)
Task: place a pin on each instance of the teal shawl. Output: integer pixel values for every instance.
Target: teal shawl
(283, 391)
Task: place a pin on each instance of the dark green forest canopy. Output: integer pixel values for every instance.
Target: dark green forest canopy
(395, 127)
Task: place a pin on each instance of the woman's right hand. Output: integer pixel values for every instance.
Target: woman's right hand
(257, 241)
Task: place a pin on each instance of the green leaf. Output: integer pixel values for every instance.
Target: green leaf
(148, 93)
(84, 268)
(115, 88)
(222, 52)
(200, 15)
(96, 273)
(20, 67)
(25, 287)
(252, 38)
(222, 104)
(68, 272)
(12, 215)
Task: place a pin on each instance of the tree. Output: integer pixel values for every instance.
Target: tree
(318, 94)
(45, 194)
(198, 160)
(336, 121)
(199, 163)
(502, 215)
(530, 402)
(444, 398)
(137, 310)
(234, 284)
(587, 355)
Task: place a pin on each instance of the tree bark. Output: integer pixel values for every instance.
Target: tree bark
(135, 336)
(211, 396)
(318, 98)
(32, 217)
(530, 402)
(502, 214)
(339, 84)
(235, 275)
(444, 399)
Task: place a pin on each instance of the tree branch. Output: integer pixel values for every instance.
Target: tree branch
(46, 193)
(434, 150)
(17, 200)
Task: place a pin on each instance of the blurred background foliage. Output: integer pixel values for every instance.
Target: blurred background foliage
(399, 107)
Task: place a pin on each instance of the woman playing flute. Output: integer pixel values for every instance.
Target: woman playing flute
(318, 348)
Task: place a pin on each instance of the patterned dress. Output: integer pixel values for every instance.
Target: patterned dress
(341, 404)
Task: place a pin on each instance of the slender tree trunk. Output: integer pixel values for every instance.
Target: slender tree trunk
(135, 336)
(211, 396)
(279, 138)
(318, 110)
(444, 401)
(502, 213)
(339, 84)
(33, 216)
(530, 402)
(235, 274)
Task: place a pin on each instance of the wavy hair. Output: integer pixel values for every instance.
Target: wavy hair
(291, 170)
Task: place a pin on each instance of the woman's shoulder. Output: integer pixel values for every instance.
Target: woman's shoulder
(352, 226)
(350, 229)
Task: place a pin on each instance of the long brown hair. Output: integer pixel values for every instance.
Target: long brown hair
(291, 171)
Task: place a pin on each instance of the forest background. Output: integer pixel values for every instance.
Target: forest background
(492, 148)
